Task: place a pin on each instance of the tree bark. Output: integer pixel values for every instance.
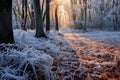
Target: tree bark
(24, 14)
(47, 15)
(38, 20)
(56, 19)
(6, 33)
(85, 13)
(32, 16)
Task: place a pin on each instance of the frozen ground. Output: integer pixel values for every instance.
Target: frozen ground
(98, 53)
(64, 56)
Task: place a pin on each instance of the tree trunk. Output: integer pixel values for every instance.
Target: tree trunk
(56, 19)
(43, 3)
(115, 18)
(85, 13)
(47, 15)
(32, 16)
(38, 20)
(6, 33)
(24, 14)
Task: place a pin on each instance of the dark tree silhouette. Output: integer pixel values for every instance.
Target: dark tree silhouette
(6, 33)
(38, 20)
(24, 14)
(47, 15)
(56, 19)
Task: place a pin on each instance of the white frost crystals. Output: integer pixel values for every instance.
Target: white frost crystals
(27, 39)
(24, 61)
(20, 65)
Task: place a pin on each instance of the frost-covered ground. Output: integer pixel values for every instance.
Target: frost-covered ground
(98, 52)
(106, 37)
(64, 56)
(31, 58)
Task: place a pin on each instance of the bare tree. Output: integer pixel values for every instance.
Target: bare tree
(56, 19)
(47, 15)
(32, 16)
(38, 20)
(115, 18)
(24, 14)
(6, 33)
(85, 13)
(56, 15)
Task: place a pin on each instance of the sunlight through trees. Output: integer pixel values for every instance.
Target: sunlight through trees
(59, 39)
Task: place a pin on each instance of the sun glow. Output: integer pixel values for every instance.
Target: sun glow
(62, 10)
(64, 14)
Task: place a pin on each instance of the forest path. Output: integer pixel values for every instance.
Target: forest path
(97, 58)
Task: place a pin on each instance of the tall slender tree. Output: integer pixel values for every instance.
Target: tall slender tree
(85, 13)
(56, 19)
(38, 20)
(6, 33)
(24, 14)
(115, 18)
(102, 14)
(56, 15)
(47, 15)
(32, 16)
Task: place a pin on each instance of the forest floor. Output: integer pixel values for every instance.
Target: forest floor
(95, 56)
(66, 55)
